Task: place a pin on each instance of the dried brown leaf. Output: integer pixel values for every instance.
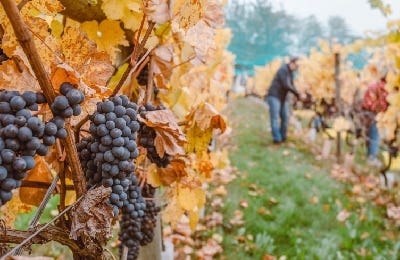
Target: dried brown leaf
(92, 219)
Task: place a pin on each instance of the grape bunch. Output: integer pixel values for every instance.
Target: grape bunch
(67, 104)
(138, 230)
(107, 155)
(22, 136)
(147, 136)
(130, 233)
(143, 76)
(149, 220)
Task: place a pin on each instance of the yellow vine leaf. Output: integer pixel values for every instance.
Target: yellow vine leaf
(12, 209)
(108, 35)
(130, 12)
(203, 121)
(180, 101)
(73, 40)
(173, 212)
(41, 173)
(152, 176)
(190, 199)
(162, 65)
(157, 11)
(46, 7)
(198, 140)
(115, 79)
(57, 28)
(214, 13)
(201, 37)
(187, 13)
(194, 219)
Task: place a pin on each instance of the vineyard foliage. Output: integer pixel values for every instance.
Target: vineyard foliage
(316, 74)
(184, 44)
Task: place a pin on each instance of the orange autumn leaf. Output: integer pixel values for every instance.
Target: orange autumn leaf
(14, 74)
(13, 208)
(61, 73)
(207, 116)
(41, 173)
(169, 137)
(168, 175)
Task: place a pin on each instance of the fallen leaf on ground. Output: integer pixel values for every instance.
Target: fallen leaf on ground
(244, 204)
(314, 200)
(264, 211)
(343, 215)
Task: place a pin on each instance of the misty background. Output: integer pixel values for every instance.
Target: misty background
(263, 32)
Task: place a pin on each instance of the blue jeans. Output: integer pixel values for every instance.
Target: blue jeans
(279, 116)
(373, 142)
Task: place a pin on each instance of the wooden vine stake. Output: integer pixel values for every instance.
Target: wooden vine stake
(339, 106)
(25, 39)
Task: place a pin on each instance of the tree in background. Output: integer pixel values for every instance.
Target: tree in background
(339, 30)
(310, 30)
(261, 33)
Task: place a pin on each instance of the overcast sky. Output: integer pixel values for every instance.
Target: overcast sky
(358, 13)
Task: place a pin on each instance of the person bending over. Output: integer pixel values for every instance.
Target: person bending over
(276, 99)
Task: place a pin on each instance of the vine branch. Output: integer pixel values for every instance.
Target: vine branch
(35, 233)
(52, 233)
(25, 38)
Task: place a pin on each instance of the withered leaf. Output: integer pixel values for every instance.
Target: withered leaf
(92, 219)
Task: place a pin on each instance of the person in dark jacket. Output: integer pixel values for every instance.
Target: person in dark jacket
(276, 99)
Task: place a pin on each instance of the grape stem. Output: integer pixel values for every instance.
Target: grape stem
(150, 85)
(42, 185)
(22, 4)
(25, 39)
(41, 208)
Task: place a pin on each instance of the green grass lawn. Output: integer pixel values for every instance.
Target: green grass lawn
(302, 201)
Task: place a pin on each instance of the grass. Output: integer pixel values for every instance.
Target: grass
(303, 201)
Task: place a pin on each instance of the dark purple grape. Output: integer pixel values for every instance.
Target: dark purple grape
(60, 103)
(8, 184)
(3, 173)
(24, 134)
(50, 129)
(61, 133)
(29, 97)
(65, 88)
(74, 97)
(19, 164)
(40, 98)
(17, 103)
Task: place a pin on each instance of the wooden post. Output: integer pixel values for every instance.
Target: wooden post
(338, 105)
(153, 250)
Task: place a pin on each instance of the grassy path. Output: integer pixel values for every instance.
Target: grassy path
(290, 203)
